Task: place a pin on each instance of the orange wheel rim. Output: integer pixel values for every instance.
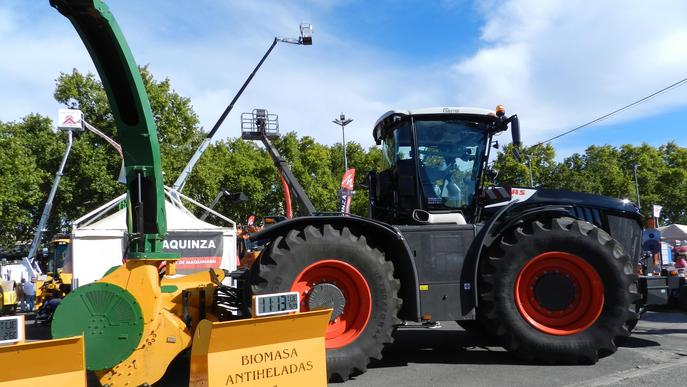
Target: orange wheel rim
(358, 307)
(559, 293)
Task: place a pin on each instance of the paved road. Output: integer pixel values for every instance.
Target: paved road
(655, 355)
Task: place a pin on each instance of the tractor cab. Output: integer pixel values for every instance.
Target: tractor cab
(432, 161)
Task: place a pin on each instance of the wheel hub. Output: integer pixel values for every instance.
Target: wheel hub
(554, 291)
(327, 295)
(338, 285)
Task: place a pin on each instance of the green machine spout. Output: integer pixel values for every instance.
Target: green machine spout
(136, 128)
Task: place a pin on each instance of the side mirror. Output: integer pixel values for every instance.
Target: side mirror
(515, 131)
(491, 174)
(371, 184)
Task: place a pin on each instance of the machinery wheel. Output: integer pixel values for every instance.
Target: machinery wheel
(336, 269)
(557, 290)
(632, 323)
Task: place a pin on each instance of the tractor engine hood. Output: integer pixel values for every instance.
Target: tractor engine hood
(546, 196)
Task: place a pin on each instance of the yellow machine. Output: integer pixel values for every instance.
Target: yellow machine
(44, 363)
(140, 316)
(275, 351)
(8, 297)
(143, 321)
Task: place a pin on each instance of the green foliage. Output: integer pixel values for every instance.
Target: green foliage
(22, 178)
(34, 153)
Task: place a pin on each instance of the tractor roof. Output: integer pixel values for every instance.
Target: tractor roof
(389, 117)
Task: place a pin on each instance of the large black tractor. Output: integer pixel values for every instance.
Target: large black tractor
(548, 273)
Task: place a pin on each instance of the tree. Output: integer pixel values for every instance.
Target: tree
(32, 153)
(237, 166)
(671, 184)
(22, 179)
(516, 173)
(364, 161)
(310, 163)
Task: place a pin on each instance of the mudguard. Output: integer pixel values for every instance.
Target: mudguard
(379, 235)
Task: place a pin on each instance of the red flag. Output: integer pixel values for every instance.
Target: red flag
(346, 192)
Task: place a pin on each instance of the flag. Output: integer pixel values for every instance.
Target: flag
(657, 211)
(346, 192)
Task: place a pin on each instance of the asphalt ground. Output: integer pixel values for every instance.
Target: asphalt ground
(655, 355)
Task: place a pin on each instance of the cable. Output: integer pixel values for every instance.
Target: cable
(637, 102)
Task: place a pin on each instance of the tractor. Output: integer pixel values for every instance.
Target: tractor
(548, 273)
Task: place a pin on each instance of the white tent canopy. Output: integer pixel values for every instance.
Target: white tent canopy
(98, 246)
(673, 232)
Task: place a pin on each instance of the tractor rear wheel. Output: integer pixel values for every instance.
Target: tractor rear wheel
(557, 290)
(333, 268)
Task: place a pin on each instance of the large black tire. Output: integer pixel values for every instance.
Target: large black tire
(586, 263)
(314, 252)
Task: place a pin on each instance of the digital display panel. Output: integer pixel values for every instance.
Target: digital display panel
(11, 329)
(268, 304)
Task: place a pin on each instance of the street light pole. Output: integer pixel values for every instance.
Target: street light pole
(343, 121)
(639, 204)
(529, 165)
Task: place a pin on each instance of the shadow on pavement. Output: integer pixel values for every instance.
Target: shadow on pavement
(442, 346)
(636, 342)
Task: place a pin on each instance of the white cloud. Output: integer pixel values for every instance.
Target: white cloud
(561, 63)
(306, 86)
(555, 63)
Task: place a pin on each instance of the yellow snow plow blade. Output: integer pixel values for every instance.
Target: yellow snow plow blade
(276, 351)
(58, 362)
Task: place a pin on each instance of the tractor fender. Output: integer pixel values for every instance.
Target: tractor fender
(503, 220)
(378, 235)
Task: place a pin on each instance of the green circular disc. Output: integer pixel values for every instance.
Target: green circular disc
(108, 317)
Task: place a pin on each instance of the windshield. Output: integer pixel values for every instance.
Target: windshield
(450, 152)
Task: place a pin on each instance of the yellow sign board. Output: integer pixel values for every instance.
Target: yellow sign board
(279, 351)
(59, 362)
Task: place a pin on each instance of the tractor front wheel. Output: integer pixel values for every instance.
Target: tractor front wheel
(557, 290)
(333, 268)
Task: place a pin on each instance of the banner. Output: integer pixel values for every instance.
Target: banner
(346, 192)
(199, 251)
(657, 211)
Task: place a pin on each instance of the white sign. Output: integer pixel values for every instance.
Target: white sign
(69, 119)
(11, 329)
(666, 254)
(657, 211)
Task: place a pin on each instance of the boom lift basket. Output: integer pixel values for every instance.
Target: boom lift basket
(259, 123)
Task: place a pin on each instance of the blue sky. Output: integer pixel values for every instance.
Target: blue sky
(557, 64)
